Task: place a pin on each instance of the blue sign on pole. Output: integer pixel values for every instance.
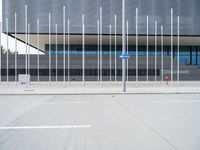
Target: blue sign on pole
(124, 56)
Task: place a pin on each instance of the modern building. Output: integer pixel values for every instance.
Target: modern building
(82, 39)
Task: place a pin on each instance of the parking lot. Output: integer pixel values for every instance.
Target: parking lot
(100, 122)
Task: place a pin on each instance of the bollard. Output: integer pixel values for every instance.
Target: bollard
(166, 78)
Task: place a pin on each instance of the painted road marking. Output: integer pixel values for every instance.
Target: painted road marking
(44, 127)
(178, 101)
(66, 103)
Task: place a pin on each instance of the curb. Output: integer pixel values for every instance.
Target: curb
(132, 93)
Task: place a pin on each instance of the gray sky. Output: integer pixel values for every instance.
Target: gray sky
(20, 45)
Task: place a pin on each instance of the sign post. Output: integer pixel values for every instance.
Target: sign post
(124, 57)
(123, 47)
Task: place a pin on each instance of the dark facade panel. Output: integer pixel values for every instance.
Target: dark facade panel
(187, 72)
(158, 10)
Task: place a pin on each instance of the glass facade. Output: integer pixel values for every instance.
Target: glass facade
(189, 55)
(78, 72)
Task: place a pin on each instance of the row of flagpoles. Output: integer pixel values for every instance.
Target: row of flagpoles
(125, 45)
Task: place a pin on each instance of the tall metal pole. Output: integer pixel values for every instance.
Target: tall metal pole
(49, 49)
(171, 45)
(68, 48)
(162, 62)
(64, 49)
(127, 48)
(15, 48)
(155, 51)
(68, 44)
(178, 49)
(115, 48)
(123, 47)
(110, 58)
(26, 39)
(29, 50)
(147, 57)
(98, 79)
(0, 51)
(56, 28)
(83, 47)
(7, 65)
(101, 78)
(38, 56)
(136, 45)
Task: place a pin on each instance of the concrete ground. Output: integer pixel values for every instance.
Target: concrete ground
(100, 122)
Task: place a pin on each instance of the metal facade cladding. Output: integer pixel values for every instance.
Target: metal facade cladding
(158, 10)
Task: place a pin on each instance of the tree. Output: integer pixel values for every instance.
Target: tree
(4, 51)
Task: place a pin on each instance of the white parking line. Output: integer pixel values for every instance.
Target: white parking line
(178, 101)
(50, 103)
(44, 127)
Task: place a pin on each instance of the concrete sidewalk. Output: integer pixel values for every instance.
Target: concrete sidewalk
(99, 88)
